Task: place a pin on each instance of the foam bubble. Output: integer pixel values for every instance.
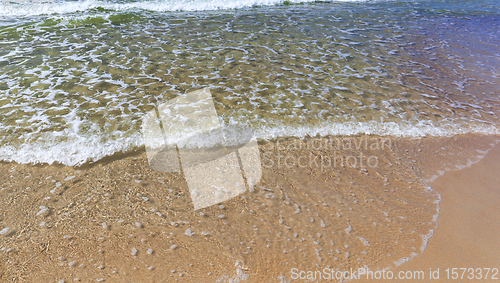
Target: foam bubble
(65, 7)
(73, 151)
(78, 149)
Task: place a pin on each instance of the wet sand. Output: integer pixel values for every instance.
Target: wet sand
(468, 235)
(120, 221)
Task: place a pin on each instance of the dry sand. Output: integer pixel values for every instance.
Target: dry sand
(468, 235)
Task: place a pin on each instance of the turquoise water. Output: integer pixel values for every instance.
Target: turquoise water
(76, 81)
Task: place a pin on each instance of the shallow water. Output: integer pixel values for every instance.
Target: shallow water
(76, 84)
(122, 221)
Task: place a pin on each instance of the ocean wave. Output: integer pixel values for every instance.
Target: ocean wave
(66, 7)
(78, 150)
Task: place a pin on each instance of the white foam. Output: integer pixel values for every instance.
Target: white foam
(74, 151)
(403, 129)
(63, 7)
(77, 149)
(426, 237)
(462, 166)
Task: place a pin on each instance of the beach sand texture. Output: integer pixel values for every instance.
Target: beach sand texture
(118, 220)
(376, 125)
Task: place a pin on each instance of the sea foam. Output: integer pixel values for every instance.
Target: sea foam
(79, 150)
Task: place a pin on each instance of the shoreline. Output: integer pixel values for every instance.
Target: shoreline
(467, 235)
(119, 220)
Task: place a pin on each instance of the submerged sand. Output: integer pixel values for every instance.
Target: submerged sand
(468, 235)
(120, 221)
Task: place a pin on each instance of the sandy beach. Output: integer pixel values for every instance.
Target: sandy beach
(118, 220)
(248, 141)
(468, 235)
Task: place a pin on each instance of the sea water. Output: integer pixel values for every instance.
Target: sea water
(76, 77)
